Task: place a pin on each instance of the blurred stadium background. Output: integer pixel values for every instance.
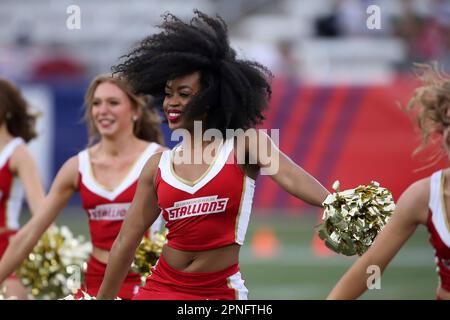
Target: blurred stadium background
(337, 99)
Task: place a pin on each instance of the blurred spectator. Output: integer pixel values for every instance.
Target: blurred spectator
(58, 64)
(425, 33)
(346, 18)
(441, 13)
(287, 63)
(329, 25)
(16, 59)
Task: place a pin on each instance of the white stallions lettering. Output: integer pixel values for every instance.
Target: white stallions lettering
(196, 207)
(109, 212)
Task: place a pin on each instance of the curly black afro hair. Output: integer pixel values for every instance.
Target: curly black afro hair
(234, 92)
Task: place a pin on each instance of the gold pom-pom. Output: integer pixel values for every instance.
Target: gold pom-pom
(148, 253)
(53, 269)
(3, 294)
(82, 295)
(353, 218)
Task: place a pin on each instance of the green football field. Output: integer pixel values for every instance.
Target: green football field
(293, 271)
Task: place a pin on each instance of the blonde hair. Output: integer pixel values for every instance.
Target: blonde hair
(146, 127)
(430, 104)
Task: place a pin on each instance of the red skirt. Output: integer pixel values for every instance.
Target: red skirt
(93, 278)
(167, 283)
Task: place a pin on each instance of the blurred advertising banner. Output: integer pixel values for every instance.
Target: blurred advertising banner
(351, 133)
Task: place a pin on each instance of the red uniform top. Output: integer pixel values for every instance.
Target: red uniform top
(211, 212)
(106, 209)
(11, 191)
(439, 228)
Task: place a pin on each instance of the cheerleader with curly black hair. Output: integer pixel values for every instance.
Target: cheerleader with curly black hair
(204, 186)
